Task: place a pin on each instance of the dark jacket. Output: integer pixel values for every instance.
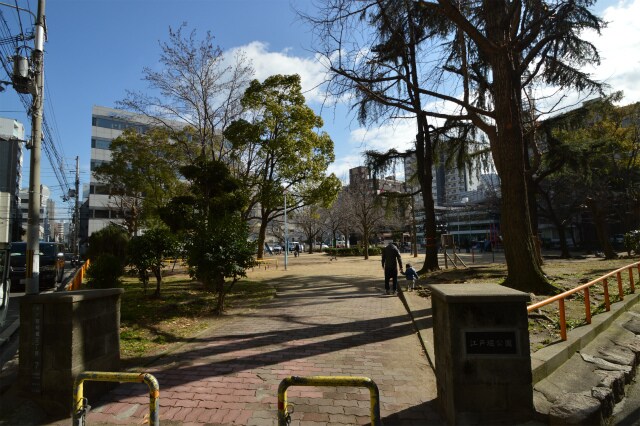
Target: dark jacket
(411, 273)
(389, 256)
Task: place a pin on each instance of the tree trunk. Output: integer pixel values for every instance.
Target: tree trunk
(365, 242)
(601, 228)
(219, 283)
(562, 234)
(424, 157)
(508, 145)
(262, 234)
(144, 277)
(564, 249)
(158, 274)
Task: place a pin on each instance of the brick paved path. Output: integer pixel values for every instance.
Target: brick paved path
(315, 326)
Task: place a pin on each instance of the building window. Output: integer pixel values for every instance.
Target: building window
(110, 123)
(96, 163)
(100, 143)
(101, 213)
(99, 189)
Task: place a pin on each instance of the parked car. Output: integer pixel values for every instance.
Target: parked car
(292, 246)
(51, 264)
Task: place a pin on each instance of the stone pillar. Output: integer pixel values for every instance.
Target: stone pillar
(482, 355)
(63, 334)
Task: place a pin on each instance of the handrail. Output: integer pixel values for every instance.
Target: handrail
(80, 407)
(339, 381)
(76, 281)
(560, 298)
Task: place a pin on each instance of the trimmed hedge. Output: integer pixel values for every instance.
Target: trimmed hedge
(353, 251)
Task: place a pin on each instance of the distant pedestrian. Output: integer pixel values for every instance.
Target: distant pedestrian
(412, 276)
(391, 260)
(296, 250)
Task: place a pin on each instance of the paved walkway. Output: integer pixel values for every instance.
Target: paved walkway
(344, 325)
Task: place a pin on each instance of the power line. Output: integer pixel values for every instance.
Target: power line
(50, 147)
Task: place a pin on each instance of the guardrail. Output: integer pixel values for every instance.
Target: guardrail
(81, 407)
(266, 263)
(76, 281)
(560, 298)
(284, 417)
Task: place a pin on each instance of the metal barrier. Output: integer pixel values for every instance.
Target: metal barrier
(284, 418)
(266, 262)
(587, 300)
(76, 281)
(80, 407)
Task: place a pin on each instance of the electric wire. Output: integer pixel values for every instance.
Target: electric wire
(50, 136)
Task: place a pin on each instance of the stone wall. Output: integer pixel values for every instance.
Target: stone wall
(63, 334)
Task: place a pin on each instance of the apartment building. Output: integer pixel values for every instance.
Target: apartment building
(45, 204)
(106, 125)
(11, 145)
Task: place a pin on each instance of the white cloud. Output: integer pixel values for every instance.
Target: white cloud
(619, 45)
(266, 63)
(342, 165)
(399, 134)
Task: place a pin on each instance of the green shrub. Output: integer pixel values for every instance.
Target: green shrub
(353, 251)
(105, 272)
(632, 241)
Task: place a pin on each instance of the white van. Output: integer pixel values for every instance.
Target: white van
(292, 246)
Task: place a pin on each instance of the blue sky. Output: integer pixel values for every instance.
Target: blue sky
(96, 50)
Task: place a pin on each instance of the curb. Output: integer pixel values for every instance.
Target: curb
(427, 345)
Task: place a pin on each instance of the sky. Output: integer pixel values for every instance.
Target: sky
(96, 50)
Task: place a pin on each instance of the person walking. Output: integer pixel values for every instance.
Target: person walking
(412, 277)
(296, 250)
(391, 260)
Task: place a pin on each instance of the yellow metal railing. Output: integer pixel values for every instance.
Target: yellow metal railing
(76, 281)
(80, 406)
(266, 262)
(560, 298)
(284, 417)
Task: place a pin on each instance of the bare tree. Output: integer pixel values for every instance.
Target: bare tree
(366, 210)
(196, 86)
(309, 219)
(335, 217)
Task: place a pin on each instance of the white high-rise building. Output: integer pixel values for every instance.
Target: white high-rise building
(45, 194)
(11, 145)
(106, 125)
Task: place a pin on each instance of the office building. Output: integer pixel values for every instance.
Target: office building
(11, 156)
(106, 125)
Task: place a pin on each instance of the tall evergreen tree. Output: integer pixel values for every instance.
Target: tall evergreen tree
(477, 57)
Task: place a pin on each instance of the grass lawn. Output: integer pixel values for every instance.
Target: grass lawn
(150, 326)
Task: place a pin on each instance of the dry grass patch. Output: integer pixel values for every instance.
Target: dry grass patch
(149, 325)
(566, 274)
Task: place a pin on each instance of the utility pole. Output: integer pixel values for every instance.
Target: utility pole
(33, 222)
(76, 222)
